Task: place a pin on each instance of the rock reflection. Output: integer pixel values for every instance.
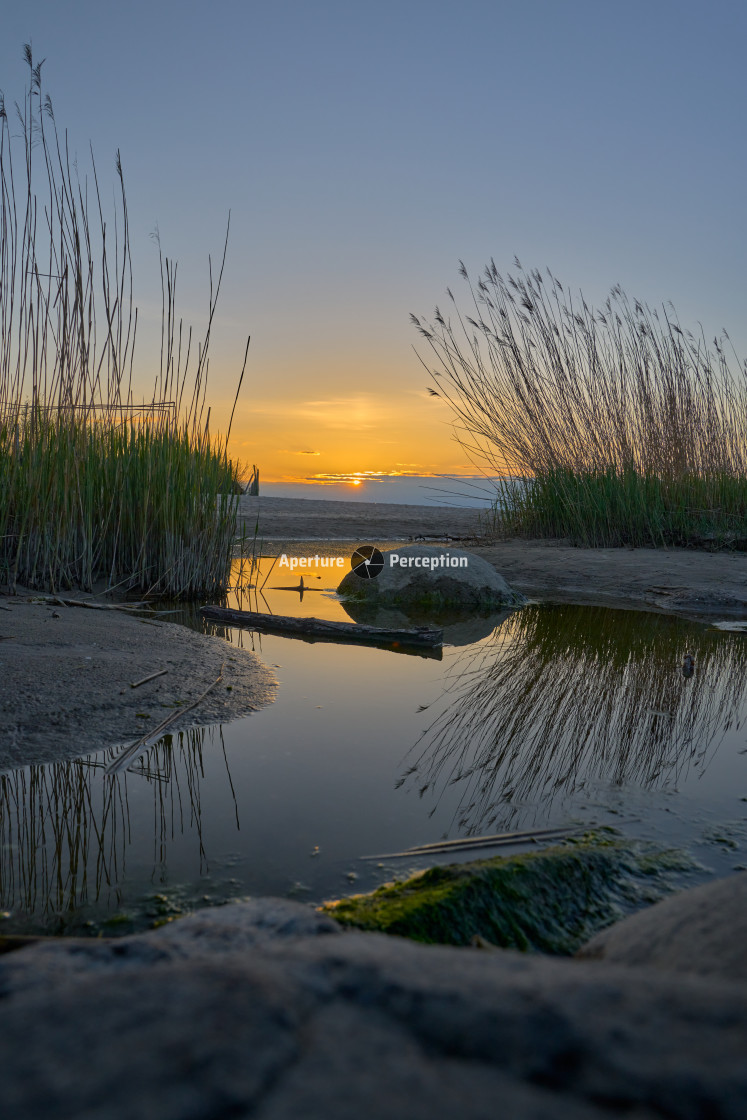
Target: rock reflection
(562, 696)
(461, 627)
(65, 829)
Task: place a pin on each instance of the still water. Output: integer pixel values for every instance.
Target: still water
(549, 715)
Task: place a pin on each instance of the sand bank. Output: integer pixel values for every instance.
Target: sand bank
(66, 672)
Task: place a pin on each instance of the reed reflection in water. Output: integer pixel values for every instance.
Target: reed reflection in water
(65, 829)
(560, 697)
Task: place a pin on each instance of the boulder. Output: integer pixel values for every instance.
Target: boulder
(261, 1009)
(701, 931)
(425, 576)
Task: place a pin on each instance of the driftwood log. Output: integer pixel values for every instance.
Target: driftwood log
(319, 629)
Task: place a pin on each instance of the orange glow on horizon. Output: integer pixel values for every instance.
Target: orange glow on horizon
(347, 439)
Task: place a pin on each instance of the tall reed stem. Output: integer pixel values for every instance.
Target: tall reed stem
(93, 484)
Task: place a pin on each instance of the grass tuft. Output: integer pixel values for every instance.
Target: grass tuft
(611, 426)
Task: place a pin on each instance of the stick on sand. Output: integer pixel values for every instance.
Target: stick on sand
(131, 752)
(152, 677)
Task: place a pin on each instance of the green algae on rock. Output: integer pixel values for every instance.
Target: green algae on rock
(550, 901)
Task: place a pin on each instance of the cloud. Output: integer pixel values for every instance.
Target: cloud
(358, 476)
(296, 451)
(351, 414)
(360, 413)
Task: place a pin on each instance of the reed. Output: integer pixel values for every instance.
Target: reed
(93, 485)
(564, 699)
(68, 840)
(611, 426)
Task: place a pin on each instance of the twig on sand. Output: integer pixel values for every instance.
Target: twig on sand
(134, 749)
(152, 677)
(88, 603)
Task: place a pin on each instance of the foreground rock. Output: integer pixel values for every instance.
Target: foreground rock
(67, 672)
(419, 575)
(701, 931)
(263, 1009)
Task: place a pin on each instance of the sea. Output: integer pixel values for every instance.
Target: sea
(474, 492)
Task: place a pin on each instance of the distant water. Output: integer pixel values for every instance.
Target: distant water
(473, 493)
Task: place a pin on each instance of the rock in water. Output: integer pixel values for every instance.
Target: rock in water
(422, 575)
(548, 900)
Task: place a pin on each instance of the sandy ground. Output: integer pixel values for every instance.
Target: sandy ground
(688, 582)
(311, 519)
(66, 672)
(681, 581)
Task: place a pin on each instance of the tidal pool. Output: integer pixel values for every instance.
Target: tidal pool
(548, 715)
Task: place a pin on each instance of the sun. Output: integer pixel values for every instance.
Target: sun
(355, 482)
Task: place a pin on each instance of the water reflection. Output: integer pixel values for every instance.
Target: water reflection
(563, 696)
(461, 627)
(555, 700)
(65, 830)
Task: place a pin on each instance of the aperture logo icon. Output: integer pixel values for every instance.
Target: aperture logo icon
(367, 562)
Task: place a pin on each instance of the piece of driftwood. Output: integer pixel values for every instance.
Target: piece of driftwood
(497, 840)
(321, 629)
(136, 748)
(152, 677)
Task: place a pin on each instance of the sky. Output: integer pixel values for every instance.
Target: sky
(363, 150)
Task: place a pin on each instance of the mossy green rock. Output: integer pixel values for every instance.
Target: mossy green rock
(550, 901)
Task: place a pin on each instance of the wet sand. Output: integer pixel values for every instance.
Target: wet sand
(66, 676)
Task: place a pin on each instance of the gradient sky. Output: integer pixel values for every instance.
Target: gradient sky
(363, 149)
